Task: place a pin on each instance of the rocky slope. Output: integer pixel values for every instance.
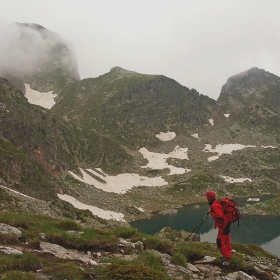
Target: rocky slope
(133, 107)
(38, 148)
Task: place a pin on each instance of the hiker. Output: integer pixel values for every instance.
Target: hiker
(223, 237)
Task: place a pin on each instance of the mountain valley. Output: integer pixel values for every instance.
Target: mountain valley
(130, 143)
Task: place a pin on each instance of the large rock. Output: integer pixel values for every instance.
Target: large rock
(6, 229)
(177, 236)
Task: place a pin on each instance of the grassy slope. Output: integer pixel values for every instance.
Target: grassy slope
(100, 240)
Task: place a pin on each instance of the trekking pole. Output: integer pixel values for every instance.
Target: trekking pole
(197, 227)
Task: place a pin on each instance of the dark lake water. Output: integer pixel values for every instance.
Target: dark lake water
(261, 230)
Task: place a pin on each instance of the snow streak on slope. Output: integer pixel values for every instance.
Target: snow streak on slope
(224, 149)
(104, 214)
(236, 180)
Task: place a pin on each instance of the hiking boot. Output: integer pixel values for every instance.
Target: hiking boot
(225, 261)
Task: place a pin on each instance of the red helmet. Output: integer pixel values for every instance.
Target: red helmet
(210, 194)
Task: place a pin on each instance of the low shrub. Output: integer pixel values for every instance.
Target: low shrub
(151, 260)
(9, 239)
(179, 259)
(68, 225)
(125, 232)
(89, 240)
(153, 242)
(237, 260)
(196, 251)
(68, 270)
(24, 262)
(252, 250)
(131, 272)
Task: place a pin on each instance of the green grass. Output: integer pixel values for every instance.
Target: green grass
(126, 232)
(24, 262)
(131, 272)
(151, 260)
(179, 259)
(67, 270)
(252, 250)
(194, 251)
(18, 275)
(153, 242)
(271, 206)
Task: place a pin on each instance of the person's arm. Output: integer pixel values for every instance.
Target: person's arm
(216, 210)
(218, 214)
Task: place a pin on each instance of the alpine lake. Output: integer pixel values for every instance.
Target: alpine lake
(261, 230)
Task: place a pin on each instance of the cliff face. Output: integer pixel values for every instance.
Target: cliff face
(38, 148)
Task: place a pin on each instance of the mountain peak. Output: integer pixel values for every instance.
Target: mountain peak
(253, 78)
(122, 71)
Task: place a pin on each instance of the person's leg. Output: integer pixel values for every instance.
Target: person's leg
(222, 240)
(227, 233)
(228, 243)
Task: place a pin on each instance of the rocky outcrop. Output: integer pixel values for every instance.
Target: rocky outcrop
(177, 236)
(7, 229)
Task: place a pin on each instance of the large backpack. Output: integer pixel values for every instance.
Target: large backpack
(231, 210)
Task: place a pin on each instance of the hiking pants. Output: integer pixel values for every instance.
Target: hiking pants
(223, 241)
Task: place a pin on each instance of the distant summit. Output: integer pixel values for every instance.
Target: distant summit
(123, 72)
(248, 82)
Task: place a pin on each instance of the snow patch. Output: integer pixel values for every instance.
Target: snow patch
(235, 180)
(166, 136)
(253, 199)
(226, 115)
(224, 149)
(120, 183)
(195, 135)
(213, 158)
(211, 121)
(104, 214)
(158, 161)
(43, 99)
(265, 147)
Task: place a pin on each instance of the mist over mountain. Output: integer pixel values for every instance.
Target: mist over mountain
(31, 52)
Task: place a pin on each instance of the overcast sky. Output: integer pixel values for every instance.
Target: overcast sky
(198, 43)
